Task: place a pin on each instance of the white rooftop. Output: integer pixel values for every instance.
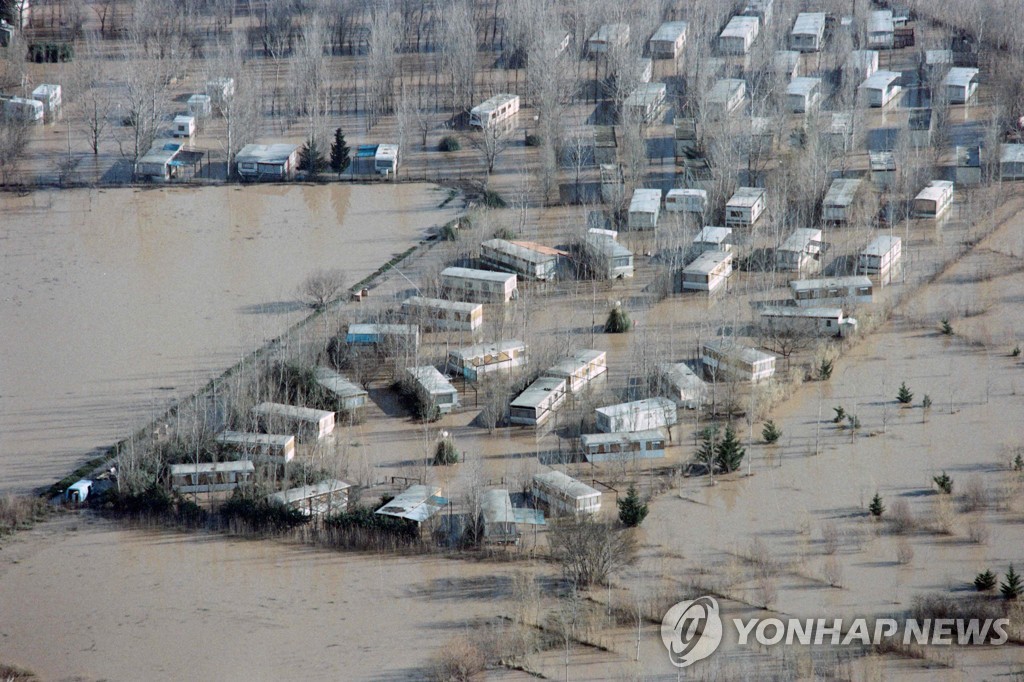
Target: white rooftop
(494, 102)
(290, 411)
(881, 245)
(337, 384)
(746, 196)
(442, 303)
(830, 283)
(960, 76)
(472, 273)
(740, 26)
(730, 348)
(809, 23)
(481, 349)
(935, 190)
(566, 485)
(880, 21)
(433, 381)
(880, 80)
(842, 192)
(518, 250)
(707, 262)
(253, 440)
(291, 495)
(539, 391)
(645, 201)
(723, 89)
(581, 358)
(712, 235)
(669, 31)
(638, 406)
(796, 311)
(802, 239)
(1011, 153)
(266, 153)
(803, 85)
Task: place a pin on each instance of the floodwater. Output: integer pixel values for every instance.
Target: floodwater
(115, 302)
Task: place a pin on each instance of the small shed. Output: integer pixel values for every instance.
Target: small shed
(745, 207)
(832, 291)
(838, 133)
(50, 95)
(417, 503)
(711, 238)
(623, 446)
(861, 65)
(644, 209)
(607, 256)
(686, 140)
(808, 32)
(840, 199)
(801, 252)
(968, 165)
(473, 362)
(709, 272)
(724, 359)
(494, 111)
(812, 321)
(739, 35)
(498, 518)
(158, 164)
(605, 145)
(960, 84)
(881, 30)
(184, 126)
(348, 395)
(881, 88)
(23, 110)
(639, 415)
(686, 201)
(726, 96)
(440, 313)
(211, 477)
(881, 257)
(1011, 161)
(607, 38)
(327, 497)
(921, 125)
(803, 94)
(267, 161)
(78, 492)
(933, 200)
(305, 422)
(220, 90)
(390, 337)
(883, 168)
(680, 383)
(432, 389)
(579, 369)
(199, 106)
(538, 402)
(478, 286)
(276, 448)
(563, 494)
(667, 42)
(645, 101)
(526, 259)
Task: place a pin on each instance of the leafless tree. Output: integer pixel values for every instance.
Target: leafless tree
(382, 62)
(590, 551)
(14, 136)
(458, 53)
(322, 287)
(490, 142)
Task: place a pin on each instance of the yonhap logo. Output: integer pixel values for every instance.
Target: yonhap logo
(691, 631)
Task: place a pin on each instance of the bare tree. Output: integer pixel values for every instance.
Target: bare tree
(490, 142)
(14, 136)
(458, 53)
(382, 62)
(590, 551)
(321, 287)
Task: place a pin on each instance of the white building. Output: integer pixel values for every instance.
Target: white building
(960, 84)
(440, 313)
(267, 161)
(680, 383)
(709, 272)
(724, 359)
(686, 201)
(639, 415)
(565, 495)
(881, 30)
(818, 321)
(933, 200)
(417, 503)
(277, 448)
(623, 446)
(881, 87)
(840, 199)
(607, 38)
(745, 207)
(211, 477)
(711, 238)
(199, 106)
(644, 209)
(579, 369)
(348, 395)
(304, 422)
(739, 35)
(473, 362)
(50, 95)
(801, 252)
(495, 111)
(478, 286)
(498, 518)
(158, 163)
(667, 42)
(432, 389)
(1011, 161)
(538, 402)
(808, 32)
(644, 69)
(832, 291)
(607, 256)
(319, 499)
(23, 110)
(803, 94)
(184, 126)
(375, 159)
(526, 259)
(645, 101)
(881, 257)
(726, 96)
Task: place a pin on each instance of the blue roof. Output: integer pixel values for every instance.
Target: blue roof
(366, 150)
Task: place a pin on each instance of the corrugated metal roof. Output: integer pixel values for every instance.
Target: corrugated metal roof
(292, 495)
(483, 349)
(740, 26)
(337, 384)
(210, 467)
(473, 273)
(637, 406)
(713, 235)
(842, 192)
(589, 439)
(566, 485)
(707, 262)
(253, 440)
(830, 283)
(802, 240)
(746, 196)
(809, 23)
(645, 200)
(539, 391)
(418, 503)
(496, 507)
(431, 380)
(269, 409)
(729, 348)
(881, 245)
(669, 31)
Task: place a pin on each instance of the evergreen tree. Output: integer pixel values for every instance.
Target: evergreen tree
(706, 450)
(984, 582)
(632, 510)
(729, 453)
(840, 414)
(618, 321)
(340, 153)
(1011, 587)
(446, 452)
(944, 482)
(904, 395)
(947, 328)
(771, 432)
(876, 507)
(825, 370)
(311, 159)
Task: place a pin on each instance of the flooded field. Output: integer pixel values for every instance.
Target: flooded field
(117, 301)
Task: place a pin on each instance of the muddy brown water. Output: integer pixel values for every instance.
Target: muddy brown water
(115, 302)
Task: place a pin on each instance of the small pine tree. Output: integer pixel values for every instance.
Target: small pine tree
(904, 395)
(446, 452)
(618, 321)
(876, 507)
(771, 433)
(341, 157)
(1015, 353)
(840, 414)
(947, 328)
(944, 482)
(706, 450)
(311, 159)
(927, 402)
(729, 453)
(825, 370)
(632, 510)
(985, 581)
(1011, 587)
(854, 421)
(1018, 462)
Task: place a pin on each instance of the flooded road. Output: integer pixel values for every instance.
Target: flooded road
(115, 302)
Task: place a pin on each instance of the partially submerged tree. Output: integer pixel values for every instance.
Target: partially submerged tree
(632, 510)
(729, 453)
(311, 158)
(340, 153)
(590, 551)
(1011, 587)
(904, 396)
(876, 507)
(322, 287)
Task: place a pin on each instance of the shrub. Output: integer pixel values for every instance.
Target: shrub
(20, 512)
(446, 452)
(492, 199)
(770, 432)
(985, 581)
(904, 395)
(876, 507)
(1011, 588)
(840, 414)
(832, 572)
(504, 233)
(260, 516)
(977, 532)
(975, 496)
(459, 660)
(945, 326)
(618, 321)
(632, 510)
(853, 421)
(1015, 353)
(533, 140)
(449, 143)
(904, 552)
(944, 482)
(901, 518)
(927, 402)
(153, 501)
